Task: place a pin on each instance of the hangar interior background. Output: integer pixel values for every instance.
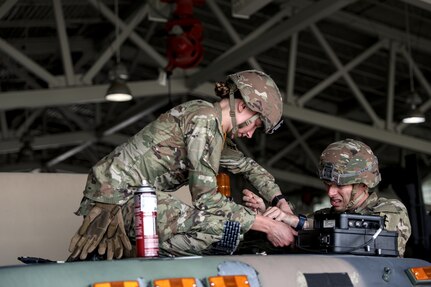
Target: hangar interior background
(346, 68)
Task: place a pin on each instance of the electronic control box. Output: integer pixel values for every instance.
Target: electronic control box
(349, 234)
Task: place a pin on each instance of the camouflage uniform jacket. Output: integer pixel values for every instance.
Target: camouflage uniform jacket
(396, 216)
(184, 145)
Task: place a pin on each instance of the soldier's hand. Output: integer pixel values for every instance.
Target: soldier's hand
(253, 201)
(279, 215)
(92, 230)
(281, 234)
(285, 206)
(276, 213)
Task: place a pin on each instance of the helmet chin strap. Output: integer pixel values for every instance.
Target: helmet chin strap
(235, 126)
(354, 201)
(249, 121)
(232, 112)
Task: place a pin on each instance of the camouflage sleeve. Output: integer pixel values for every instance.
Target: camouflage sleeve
(235, 161)
(204, 144)
(105, 192)
(396, 219)
(109, 179)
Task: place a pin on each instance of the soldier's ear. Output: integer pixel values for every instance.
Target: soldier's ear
(241, 106)
(364, 187)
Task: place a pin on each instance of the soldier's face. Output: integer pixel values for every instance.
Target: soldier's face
(339, 195)
(243, 115)
(249, 130)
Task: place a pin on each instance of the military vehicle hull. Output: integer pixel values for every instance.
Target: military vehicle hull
(270, 270)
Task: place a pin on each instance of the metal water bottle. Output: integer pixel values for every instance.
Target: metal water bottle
(147, 240)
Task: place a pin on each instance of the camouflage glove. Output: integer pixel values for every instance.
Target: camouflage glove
(115, 240)
(92, 230)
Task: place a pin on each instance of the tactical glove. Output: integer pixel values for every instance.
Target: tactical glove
(92, 230)
(115, 240)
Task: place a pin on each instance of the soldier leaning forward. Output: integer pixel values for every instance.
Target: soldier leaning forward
(186, 145)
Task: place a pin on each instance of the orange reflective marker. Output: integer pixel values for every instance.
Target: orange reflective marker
(229, 281)
(175, 282)
(117, 284)
(223, 184)
(419, 275)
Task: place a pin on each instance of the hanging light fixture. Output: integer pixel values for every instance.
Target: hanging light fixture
(415, 116)
(118, 91)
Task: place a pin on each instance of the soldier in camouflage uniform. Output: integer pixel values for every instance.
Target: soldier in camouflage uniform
(350, 171)
(186, 145)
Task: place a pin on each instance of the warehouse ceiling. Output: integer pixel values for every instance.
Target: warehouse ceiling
(345, 68)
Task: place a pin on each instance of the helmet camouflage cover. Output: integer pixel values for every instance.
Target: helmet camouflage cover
(349, 162)
(260, 94)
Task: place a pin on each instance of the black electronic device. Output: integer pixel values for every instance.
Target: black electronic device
(348, 220)
(349, 233)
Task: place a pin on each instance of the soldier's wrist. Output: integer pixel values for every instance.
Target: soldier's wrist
(281, 201)
(277, 199)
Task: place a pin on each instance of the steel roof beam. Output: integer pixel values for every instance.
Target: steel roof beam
(59, 140)
(380, 30)
(64, 43)
(21, 73)
(28, 63)
(355, 128)
(423, 4)
(246, 8)
(255, 45)
(230, 30)
(92, 94)
(150, 109)
(391, 86)
(4, 127)
(292, 145)
(421, 78)
(349, 80)
(297, 178)
(49, 141)
(28, 122)
(134, 37)
(5, 8)
(291, 68)
(116, 44)
(376, 28)
(302, 142)
(340, 72)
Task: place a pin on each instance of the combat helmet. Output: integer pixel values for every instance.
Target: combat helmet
(260, 94)
(349, 162)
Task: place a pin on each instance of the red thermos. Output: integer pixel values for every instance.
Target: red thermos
(147, 240)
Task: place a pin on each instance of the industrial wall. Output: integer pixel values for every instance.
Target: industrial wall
(36, 214)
